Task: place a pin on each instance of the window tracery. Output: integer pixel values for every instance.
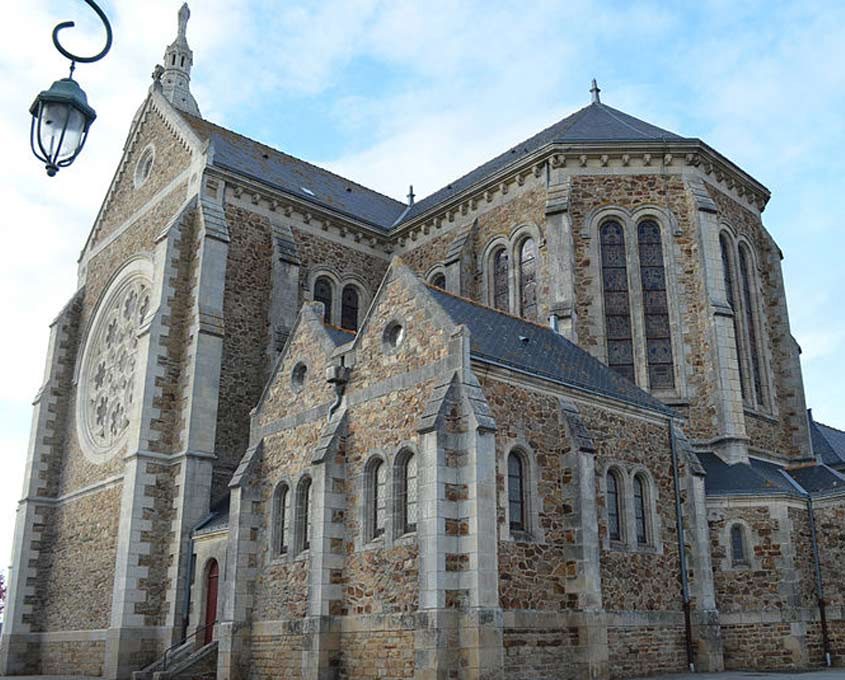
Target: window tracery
(751, 322)
(617, 309)
(614, 506)
(408, 493)
(501, 287)
(528, 278)
(730, 294)
(349, 308)
(658, 336)
(324, 292)
(640, 510)
(516, 492)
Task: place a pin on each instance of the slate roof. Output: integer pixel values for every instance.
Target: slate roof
(828, 443)
(818, 478)
(763, 478)
(282, 171)
(217, 519)
(595, 123)
(339, 336)
(743, 480)
(509, 341)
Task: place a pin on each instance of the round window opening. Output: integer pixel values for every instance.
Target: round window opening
(145, 166)
(394, 334)
(297, 377)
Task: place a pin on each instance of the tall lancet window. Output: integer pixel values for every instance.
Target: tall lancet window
(730, 293)
(661, 370)
(349, 308)
(617, 310)
(528, 278)
(501, 291)
(323, 293)
(749, 302)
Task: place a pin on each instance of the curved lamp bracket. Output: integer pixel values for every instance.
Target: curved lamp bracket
(74, 58)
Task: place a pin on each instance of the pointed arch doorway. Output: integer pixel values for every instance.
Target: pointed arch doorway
(211, 581)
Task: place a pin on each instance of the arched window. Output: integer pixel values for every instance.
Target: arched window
(661, 370)
(614, 506)
(528, 279)
(516, 492)
(439, 280)
(303, 514)
(280, 525)
(617, 310)
(323, 293)
(407, 496)
(377, 497)
(738, 554)
(730, 293)
(349, 308)
(640, 511)
(749, 303)
(501, 289)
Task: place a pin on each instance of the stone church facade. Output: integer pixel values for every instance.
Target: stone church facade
(546, 422)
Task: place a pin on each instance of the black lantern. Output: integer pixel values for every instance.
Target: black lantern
(61, 119)
(61, 116)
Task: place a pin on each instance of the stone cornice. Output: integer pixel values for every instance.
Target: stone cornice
(323, 219)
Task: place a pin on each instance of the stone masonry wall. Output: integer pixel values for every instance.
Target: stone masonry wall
(645, 650)
(540, 653)
(387, 655)
(76, 564)
(245, 310)
(630, 192)
(72, 658)
(76, 470)
(277, 656)
(771, 436)
(171, 158)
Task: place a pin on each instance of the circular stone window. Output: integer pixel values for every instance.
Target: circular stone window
(108, 372)
(394, 334)
(297, 376)
(144, 166)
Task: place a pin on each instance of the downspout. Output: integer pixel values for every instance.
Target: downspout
(679, 519)
(186, 600)
(811, 520)
(811, 513)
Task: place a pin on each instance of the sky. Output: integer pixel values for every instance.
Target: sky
(392, 93)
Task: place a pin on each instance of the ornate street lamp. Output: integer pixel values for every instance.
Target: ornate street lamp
(61, 116)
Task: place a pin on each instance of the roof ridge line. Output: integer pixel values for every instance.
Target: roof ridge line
(297, 158)
(612, 113)
(829, 427)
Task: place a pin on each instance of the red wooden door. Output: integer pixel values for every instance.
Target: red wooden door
(211, 600)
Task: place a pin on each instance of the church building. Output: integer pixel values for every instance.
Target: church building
(547, 422)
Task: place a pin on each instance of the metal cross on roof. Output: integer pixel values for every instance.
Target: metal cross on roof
(595, 92)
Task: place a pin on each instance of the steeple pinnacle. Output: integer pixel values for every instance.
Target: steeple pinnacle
(176, 77)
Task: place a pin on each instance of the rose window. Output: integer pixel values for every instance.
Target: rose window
(108, 382)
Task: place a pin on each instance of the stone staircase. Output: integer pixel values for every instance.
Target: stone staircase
(183, 663)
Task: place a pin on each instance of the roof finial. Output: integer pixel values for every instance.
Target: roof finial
(176, 77)
(595, 92)
(411, 196)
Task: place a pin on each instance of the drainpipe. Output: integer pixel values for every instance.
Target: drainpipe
(679, 519)
(811, 513)
(811, 520)
(186, 601)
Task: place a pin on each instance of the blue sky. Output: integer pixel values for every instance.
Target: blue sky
(398, 93)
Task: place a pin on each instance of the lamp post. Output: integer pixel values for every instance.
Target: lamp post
(61, 116)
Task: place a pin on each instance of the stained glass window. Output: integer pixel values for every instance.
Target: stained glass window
(409, 494)
(516, 492)
(501, 291)
(281, 518)
(730, 293)
(323, 293)
(303, 514)
(349, 308)
(658, 336)
(640, 510)
(617, 311)
(737, 545)
(528, 278)
(378, 498)
(750, 321)
(614, 514)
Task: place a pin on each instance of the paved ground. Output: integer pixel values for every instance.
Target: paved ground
(832, 674)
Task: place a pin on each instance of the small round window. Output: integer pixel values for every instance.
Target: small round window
(394, 334)
(145, 166)
(297, 377)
